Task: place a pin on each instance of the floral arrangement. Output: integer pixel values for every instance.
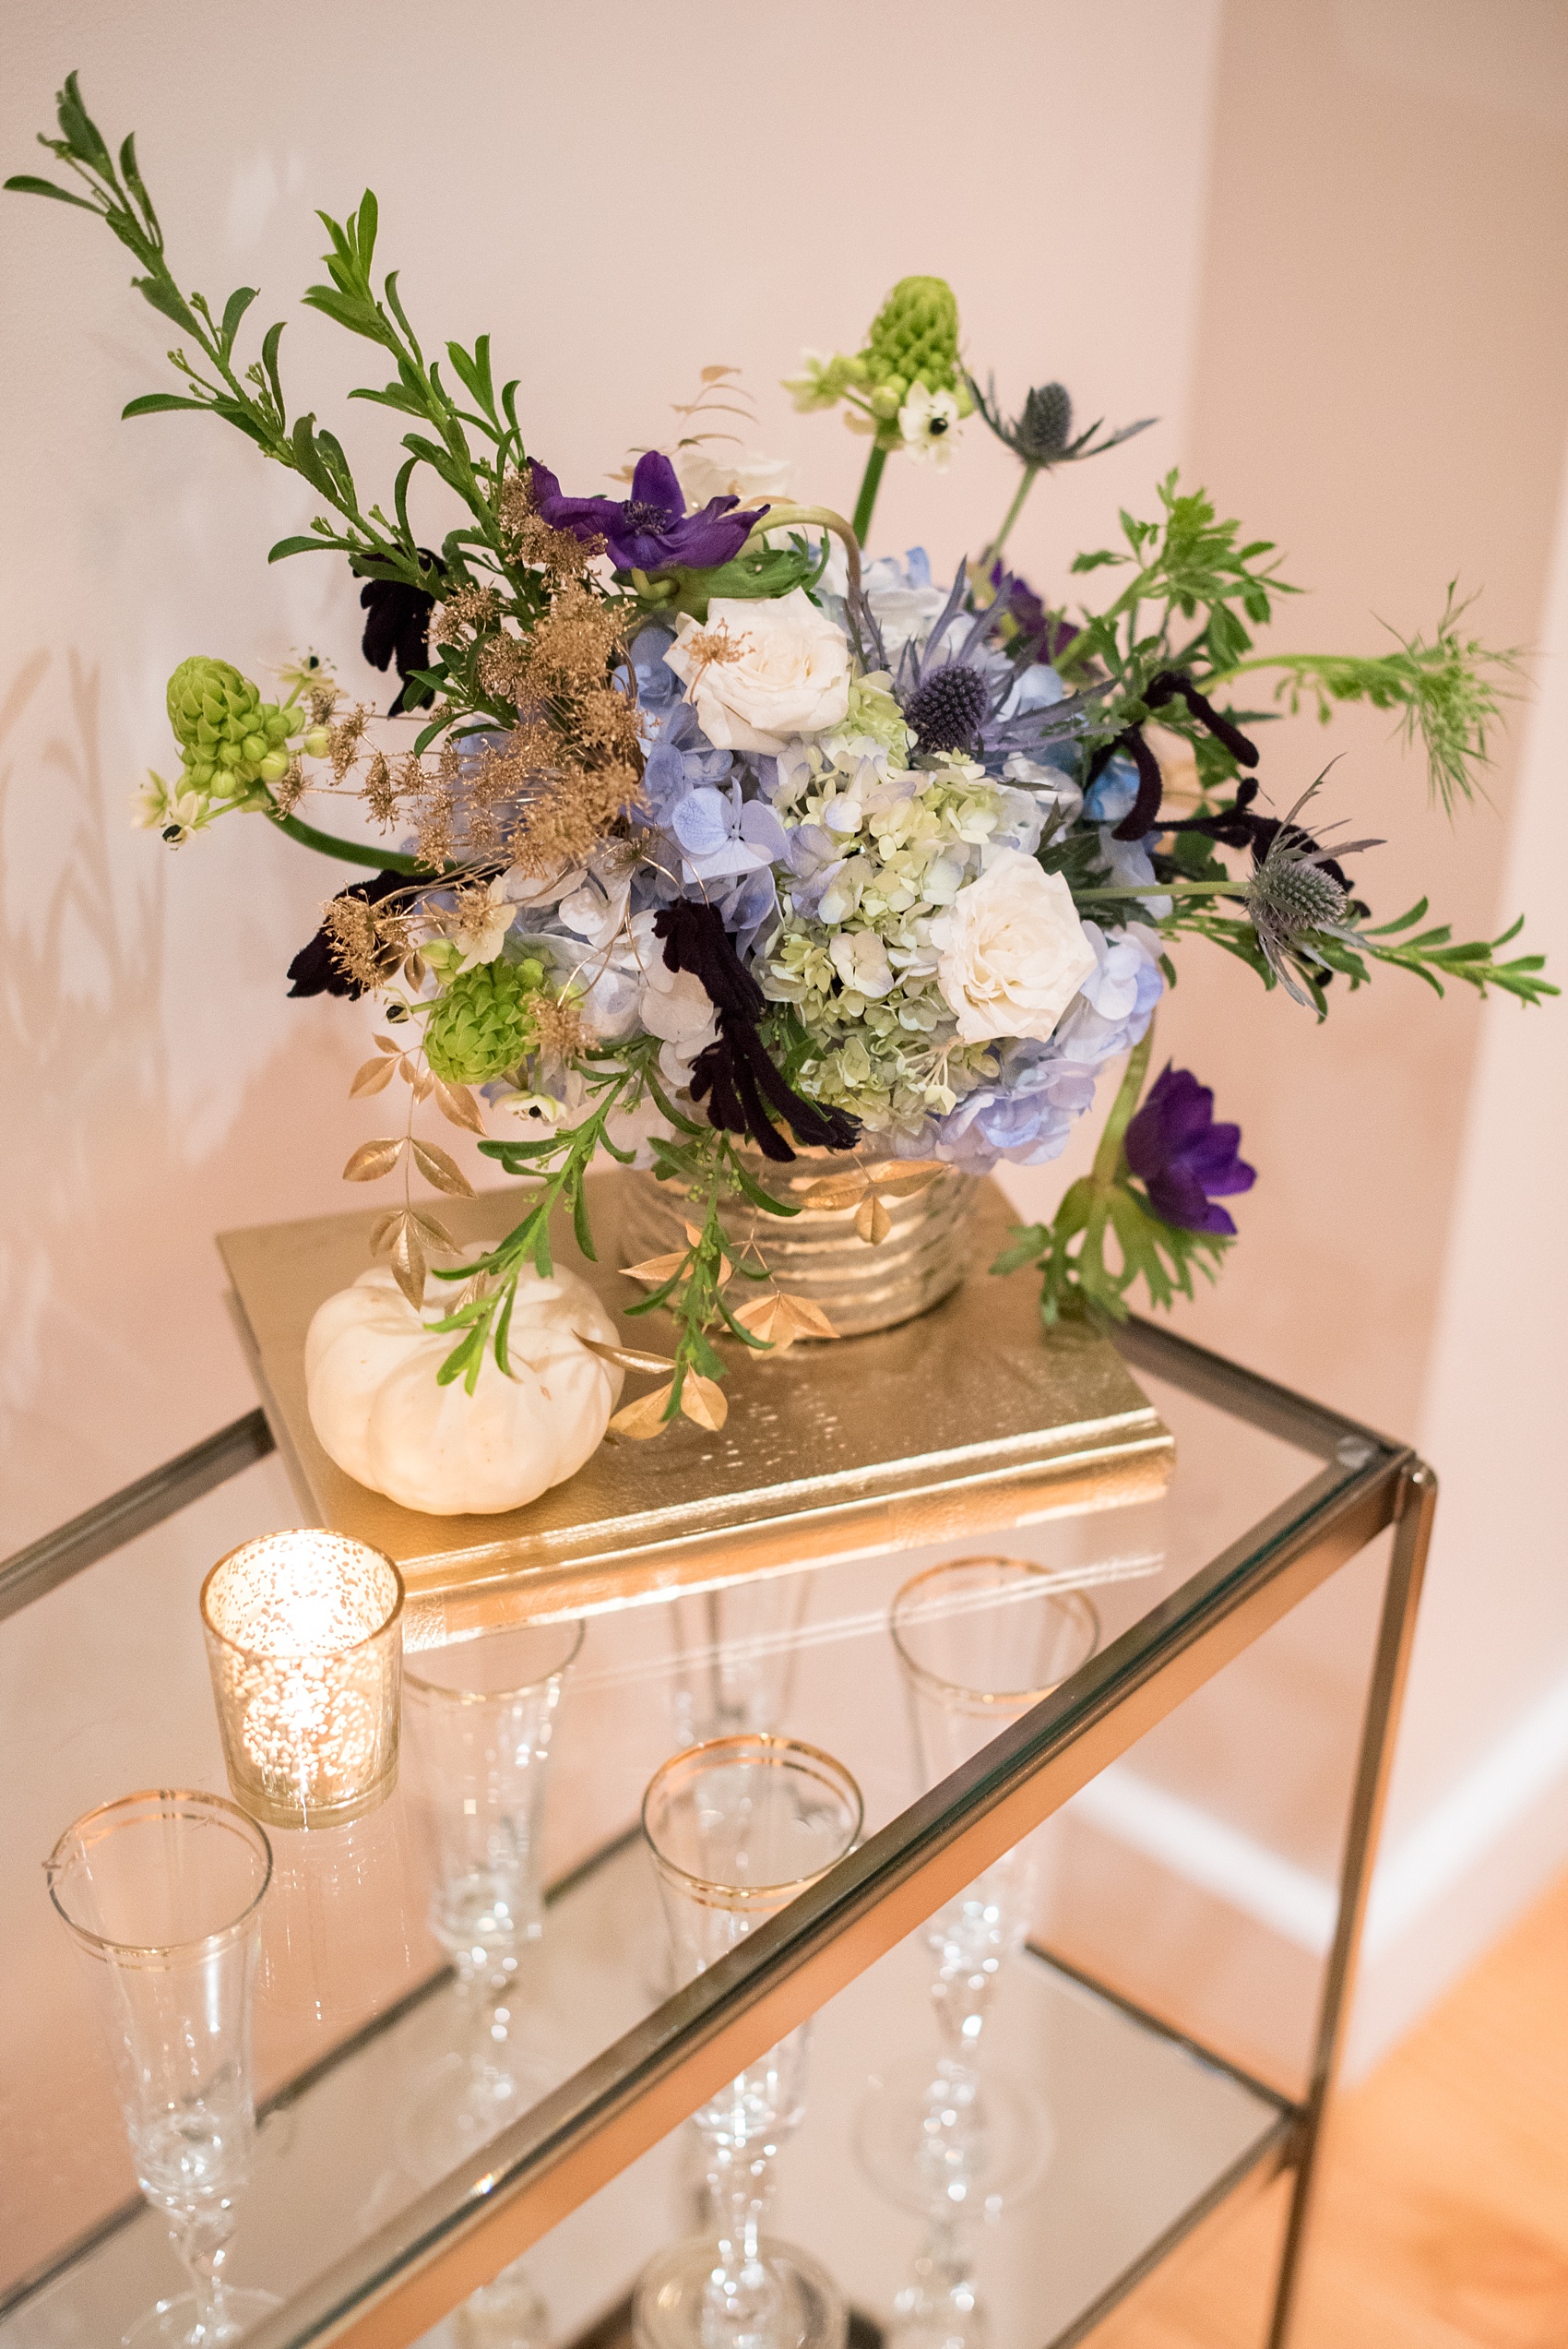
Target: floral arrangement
(711, 842)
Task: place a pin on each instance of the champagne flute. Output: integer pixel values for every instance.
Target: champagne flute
(163, 1893)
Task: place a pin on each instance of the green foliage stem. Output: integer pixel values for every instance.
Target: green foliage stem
(1078, 1280)
(870, 481)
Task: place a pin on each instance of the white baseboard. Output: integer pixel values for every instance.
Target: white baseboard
(1441, 1895)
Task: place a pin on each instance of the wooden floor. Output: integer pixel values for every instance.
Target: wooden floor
(1444, 2217)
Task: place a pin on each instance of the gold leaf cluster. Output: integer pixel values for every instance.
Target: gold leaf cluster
(408, 1239)
(779, 1319)
(867, 1190)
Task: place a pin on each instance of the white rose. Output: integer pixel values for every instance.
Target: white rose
(759, 674)
(1012, 952)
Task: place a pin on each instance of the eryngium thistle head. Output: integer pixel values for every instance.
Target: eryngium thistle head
(914, 336)
(1292, 893)
(1045, 427)
(947, 708)
(1292, 900)
(228, 735)
(483, 1025)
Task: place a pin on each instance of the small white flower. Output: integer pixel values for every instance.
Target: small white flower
(1012, 951)
(149, 803)
(860, 959)
(540, 1111)
(484, 924)
(157, 806)
(928, 421)
(760, 674)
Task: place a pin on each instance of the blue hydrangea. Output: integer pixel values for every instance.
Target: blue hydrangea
(1129, 861)
(1109, 797)
(1115, 1003)
(1025, 1116)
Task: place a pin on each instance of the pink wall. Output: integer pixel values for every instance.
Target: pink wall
(1324, 243)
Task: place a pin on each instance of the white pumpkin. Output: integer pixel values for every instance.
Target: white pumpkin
(371, 1361)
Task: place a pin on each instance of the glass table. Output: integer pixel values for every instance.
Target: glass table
(1168, 2055)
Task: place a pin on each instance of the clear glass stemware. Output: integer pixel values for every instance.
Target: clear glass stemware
(979, 1640)
(735, 1651)
(479, 1721)
(738, 1827)
(162, 1892)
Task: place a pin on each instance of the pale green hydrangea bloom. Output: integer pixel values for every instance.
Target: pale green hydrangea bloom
(853, 952)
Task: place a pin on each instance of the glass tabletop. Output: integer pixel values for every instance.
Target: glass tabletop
(104, 1688)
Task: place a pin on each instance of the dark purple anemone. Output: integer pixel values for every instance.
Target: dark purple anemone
(652, 529)
(1185, 1161)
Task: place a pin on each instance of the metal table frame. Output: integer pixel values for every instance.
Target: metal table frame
(395, 2285)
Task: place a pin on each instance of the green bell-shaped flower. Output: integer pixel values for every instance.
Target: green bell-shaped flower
(230, 738)
(914, 338)
(484, 1023)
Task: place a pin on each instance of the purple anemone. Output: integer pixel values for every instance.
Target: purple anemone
(1184, 1159)
(652, 529)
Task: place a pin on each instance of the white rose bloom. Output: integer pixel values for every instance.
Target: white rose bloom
(725, 473)
(783, 672)
(1012, 952)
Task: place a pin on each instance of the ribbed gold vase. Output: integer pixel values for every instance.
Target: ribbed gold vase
(818, 1254)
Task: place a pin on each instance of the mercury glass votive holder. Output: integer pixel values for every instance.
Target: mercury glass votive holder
(304, 1639)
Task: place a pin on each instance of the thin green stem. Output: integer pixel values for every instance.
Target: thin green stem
(1163, 889)
(1107, 1158)
(1030, 475)
(381, 860)
(1107, 1161)
(870, 481)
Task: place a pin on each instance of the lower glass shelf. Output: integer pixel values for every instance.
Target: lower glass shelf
(1149, 2134)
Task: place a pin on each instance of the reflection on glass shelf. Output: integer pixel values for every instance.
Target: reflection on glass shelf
(1144, 2131)
(346, 1942)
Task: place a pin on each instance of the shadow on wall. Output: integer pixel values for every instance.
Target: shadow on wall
(80, 1032)
(121, 1164)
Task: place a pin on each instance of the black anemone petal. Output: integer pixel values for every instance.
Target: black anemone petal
(695, 940)
(316, 969)
(736, 1075)
(398, 630)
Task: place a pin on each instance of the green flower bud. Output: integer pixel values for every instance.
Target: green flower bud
(483, 1025)
(914, 338)
(224, 728)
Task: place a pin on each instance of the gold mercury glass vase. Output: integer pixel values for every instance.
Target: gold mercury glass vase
(921, 1255)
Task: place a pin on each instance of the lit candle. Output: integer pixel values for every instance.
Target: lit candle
(305, 1638)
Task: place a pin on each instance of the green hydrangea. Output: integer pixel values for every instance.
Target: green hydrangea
(875, 715)
(230, 738)
(483, 1024)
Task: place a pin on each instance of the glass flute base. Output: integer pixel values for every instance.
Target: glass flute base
(456, 2109)
(671, 2309)
(934, 2136)
(176, 2324)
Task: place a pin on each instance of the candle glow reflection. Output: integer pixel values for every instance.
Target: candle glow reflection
(304, 1642)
